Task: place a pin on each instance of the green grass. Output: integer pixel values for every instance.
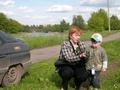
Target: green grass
(88, 34)
(113, 50)
(111, 81)
(40, 42)
(45, 41)
(42, 76)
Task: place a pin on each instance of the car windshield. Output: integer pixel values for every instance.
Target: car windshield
(6, 37)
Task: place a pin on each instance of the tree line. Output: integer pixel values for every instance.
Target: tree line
(10, 25)
(97, 22)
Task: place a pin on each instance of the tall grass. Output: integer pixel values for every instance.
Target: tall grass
(45, 41)
(40, 42)
(42, 76)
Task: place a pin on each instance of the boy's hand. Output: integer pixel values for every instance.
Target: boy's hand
(104, 70)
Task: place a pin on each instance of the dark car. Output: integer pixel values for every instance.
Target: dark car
(14, 59)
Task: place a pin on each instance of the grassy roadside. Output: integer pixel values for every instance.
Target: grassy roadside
(111, 81)
(41, 42)
(41, 76)
(45, 41)
(113, 50)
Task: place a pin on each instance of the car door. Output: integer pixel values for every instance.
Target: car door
(4, 57)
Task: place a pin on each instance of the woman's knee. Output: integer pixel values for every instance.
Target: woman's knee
(66, 72)
(81, 74)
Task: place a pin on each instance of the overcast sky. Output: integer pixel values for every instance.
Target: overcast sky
(53, 11)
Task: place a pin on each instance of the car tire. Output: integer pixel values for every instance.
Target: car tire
(13, 76)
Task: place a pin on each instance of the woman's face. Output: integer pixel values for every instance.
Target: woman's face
(75, 37)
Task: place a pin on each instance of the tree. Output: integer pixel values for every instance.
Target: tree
(40, 27)
(64, 26)
(3, 20)
(26, 28)
(103, 14)
(98, 21)
(56, 28)
(10, 25)
(114, 22)
(13, 26)
(95, 23)
(79, 21)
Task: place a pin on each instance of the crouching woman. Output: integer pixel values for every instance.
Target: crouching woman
(72, 55)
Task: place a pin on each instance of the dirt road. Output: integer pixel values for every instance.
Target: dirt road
(49, 52)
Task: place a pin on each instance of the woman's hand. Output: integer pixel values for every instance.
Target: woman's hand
(83, 55)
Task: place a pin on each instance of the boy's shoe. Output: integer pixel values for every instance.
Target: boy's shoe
(61, 89)
(90, 88)
(96, 89)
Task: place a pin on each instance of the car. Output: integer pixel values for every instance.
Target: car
(14, 59)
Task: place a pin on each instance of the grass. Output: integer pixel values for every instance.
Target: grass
(42, 76)
(87, 34)
(112, 81)
(113, 50)
(41, 42)
(45, 41)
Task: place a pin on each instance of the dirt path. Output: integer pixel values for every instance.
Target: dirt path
(49, 52)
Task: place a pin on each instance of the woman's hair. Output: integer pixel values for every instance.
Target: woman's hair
(72, 30)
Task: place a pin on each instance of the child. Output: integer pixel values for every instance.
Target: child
(97, 60)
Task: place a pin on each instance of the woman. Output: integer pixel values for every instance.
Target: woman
(73, 55)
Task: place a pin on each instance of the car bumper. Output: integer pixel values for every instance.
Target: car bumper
(26, 65)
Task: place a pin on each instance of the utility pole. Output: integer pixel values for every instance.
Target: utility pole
(108, 6)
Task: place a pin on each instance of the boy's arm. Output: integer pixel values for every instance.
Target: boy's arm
(105, 61)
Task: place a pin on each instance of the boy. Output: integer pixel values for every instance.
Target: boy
(97, 60)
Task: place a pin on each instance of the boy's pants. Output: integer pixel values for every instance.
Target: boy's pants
(95, 79)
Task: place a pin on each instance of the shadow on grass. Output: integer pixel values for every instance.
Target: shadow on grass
(55, 78)
(25, 75)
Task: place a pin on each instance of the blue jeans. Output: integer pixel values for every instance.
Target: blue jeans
(95, 79)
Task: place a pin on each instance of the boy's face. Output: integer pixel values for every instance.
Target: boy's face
(95, 44)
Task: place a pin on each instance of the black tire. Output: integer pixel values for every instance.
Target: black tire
(13, 76)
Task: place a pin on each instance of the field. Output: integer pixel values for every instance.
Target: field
(45, 41)
(42, 75)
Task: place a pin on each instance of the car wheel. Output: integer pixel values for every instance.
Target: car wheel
(13, 76)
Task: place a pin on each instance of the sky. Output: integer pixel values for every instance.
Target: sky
(43, 12)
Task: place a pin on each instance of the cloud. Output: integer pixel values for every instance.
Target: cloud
(115, 11)
(86, 10)
(7, 3)
(8, 13)
(94, 3)
(36, 17)
(60, 8)
(65, 18)
(99, 3)
(25, 9)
